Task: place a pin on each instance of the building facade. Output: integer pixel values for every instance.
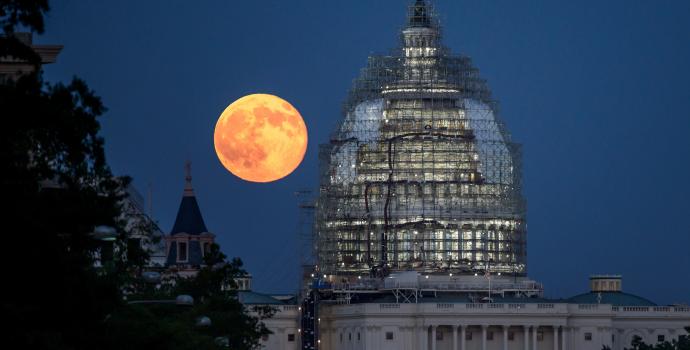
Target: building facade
(420, 235)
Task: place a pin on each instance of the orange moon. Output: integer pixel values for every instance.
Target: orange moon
(260, 138)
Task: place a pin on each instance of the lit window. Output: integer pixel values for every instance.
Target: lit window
(588, 336)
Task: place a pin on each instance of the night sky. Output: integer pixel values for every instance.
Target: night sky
(597, 92)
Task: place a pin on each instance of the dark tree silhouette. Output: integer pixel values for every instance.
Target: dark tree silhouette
(55, 188)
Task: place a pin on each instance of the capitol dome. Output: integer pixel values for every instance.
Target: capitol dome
(421, 175)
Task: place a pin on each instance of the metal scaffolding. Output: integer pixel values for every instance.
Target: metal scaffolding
(421, 175)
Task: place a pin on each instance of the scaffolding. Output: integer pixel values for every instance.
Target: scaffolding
(421, 174)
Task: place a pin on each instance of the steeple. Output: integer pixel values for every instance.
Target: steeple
(189, 219)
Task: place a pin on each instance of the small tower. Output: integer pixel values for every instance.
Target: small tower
(189, 239)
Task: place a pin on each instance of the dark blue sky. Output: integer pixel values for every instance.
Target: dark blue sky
(598, 92)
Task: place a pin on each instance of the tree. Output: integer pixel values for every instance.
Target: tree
(683, 343)
(57, 187)
(174, 327)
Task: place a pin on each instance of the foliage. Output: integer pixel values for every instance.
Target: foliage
(56, 188)
(683, 343)
(215, 296)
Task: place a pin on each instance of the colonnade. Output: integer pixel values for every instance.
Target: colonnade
(427, 336)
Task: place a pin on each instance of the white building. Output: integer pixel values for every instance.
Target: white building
(420, 228)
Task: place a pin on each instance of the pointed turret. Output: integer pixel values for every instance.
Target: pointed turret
(189, 219)
(189, 239)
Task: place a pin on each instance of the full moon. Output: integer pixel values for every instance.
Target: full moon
(260, 138)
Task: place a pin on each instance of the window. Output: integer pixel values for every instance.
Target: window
(207, 248)
(439, 335)
(181, 251)
(291, 337)
(133, 248)
(349, 336)
(389, 335)
(341, 337)
(511, 336)
(264, 337)
(660, 338)
(468, 335)
(540, 335)
(358, 337)
(489, 335)
(588, 336)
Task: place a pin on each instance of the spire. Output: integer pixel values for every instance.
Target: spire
(188, 189)
(419, 15)
(189, 219)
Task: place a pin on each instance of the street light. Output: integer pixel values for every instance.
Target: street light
(152, 277)
(184, 300)
(203, 321)
(104, 233)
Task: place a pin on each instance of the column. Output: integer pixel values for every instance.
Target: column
(455, 337)
(555, 337)
(433, 337)
(462, 337)
(483, 337)
(505, 337)
(422, 337)
(563, 336)
(526, 337)
(534, 337)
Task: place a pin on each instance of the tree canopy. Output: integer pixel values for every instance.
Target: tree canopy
(57, 187)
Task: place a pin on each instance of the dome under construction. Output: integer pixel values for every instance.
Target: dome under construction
(421, 175)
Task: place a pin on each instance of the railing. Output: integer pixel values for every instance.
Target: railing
(544, 306)
(290, 307)
(389, 306)
(445, 306)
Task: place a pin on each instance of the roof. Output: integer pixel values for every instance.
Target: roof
(613, 298)
(189, 219)
(253, 298)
